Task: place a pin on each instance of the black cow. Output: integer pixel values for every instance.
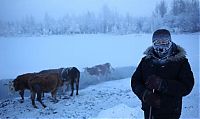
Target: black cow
(70, 76)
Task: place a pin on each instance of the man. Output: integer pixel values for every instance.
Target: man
(162, 78)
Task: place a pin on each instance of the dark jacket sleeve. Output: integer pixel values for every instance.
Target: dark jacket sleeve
(183, 86)
(137, 84)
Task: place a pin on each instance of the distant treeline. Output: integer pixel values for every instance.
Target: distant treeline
(179, 16)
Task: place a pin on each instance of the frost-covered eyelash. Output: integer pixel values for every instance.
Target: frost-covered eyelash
(156, 42)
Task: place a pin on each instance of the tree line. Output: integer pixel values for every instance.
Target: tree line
(179, 16)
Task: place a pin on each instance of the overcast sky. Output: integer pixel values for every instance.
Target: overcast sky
(18, 9)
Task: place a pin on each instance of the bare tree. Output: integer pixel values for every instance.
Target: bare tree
(161, 9)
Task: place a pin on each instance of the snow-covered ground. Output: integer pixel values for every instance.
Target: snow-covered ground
(113, 99)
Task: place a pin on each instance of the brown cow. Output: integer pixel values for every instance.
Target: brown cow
(48, 82)
(69, 76)
(21, 83)
(99, 69)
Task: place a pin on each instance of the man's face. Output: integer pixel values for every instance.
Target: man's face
(161, 45)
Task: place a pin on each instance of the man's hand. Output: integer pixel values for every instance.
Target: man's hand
(154, 82)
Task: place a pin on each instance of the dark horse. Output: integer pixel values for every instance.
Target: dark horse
(21, 83)
(47, 82)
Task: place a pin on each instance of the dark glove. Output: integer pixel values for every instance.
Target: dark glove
(154, 82)
(151, 99)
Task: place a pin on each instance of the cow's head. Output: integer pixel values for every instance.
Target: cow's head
(16, 84)
(11, 86)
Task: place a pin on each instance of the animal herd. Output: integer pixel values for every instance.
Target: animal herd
(46, 81)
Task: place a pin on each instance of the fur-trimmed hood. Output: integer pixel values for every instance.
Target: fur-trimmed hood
(177, 53)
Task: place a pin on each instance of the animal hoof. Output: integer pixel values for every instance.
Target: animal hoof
(44, 106)
(21, 101)
(35, 107)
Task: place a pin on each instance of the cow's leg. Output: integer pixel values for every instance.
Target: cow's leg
(39, 96)
(60, 92)
(72, 87)
(67, 87)
(33, 99)
(21, 93)
(38, 90)
(77, 85)
(43, 94)
(53, 94)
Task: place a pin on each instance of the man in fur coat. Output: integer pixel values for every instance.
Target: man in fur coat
(162, 78)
